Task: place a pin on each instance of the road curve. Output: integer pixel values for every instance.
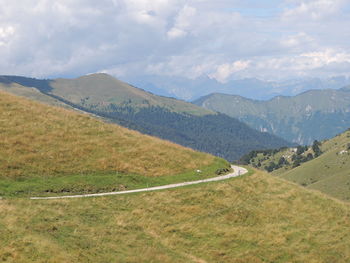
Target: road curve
(237, 171)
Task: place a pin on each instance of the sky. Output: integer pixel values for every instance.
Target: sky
(222, 39)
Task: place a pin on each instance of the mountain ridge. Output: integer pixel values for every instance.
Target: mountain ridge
(191, 89)
(168, 118)
(294, 118)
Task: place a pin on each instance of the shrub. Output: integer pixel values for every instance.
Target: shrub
(222, 171)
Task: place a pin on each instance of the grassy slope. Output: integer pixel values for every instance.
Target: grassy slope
(31, 93)
(170, 119)
(42, 145)
(104, 89)
(257, 218)
(330, 172)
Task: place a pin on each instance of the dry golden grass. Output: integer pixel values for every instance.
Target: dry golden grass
(40, 140)
(256, 218)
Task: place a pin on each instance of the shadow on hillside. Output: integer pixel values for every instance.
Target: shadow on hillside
(42, 85)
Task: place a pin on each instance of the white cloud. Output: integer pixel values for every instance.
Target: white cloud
(6, 33)
(314, 9)
(187, 38)
(323, 63)
(328, 56)
(299, 40)
(176, 33)
(182, 22)
(225, 71)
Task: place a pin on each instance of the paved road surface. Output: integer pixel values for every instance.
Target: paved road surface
(237, 171)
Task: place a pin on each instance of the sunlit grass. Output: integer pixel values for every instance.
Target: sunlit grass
(98, 182)
(39, 140)
(255, 218)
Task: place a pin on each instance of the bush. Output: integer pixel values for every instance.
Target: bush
(222, 171)
(272, 166)
(309, 156)
(316, 148)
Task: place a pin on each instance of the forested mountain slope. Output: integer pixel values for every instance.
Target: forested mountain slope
(167, 118)
(309, 116)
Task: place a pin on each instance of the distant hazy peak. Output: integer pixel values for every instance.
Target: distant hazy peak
(311, 92)
(346, 88)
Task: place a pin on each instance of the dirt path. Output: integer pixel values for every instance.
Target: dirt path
(237, 171)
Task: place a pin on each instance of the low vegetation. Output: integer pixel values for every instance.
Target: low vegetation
(256, 218)
(253, 218)
(330, 172)
(324, 166)
(51, 149)
(280, 160)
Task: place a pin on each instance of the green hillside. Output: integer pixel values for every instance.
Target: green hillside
(47, 150)
(329, 173)
(323, 166)
(167, 118)
(309, 116)
(51, 151)
(258, 218)
(100, 90)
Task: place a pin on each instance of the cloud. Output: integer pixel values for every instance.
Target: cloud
(299, 40)
(176, 33)
(6, 33)
(324, 58)
(182, 22)
(222, 39)
(226, 70)
(314, 9)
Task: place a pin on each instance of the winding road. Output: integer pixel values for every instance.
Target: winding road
(237, 171)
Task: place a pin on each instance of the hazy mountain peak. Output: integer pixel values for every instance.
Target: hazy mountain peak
(346, 88)
(253, 88)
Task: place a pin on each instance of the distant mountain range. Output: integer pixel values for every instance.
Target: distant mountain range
(168, 118)
(191, 89)
(315, 114)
